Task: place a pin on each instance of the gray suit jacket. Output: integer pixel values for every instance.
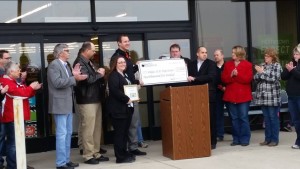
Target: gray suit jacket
(60, 88)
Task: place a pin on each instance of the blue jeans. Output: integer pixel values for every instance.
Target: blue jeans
(240, 122)
(294, 109)
(220, 115)
(271, 123)
(10, 145)
(2, 143)
(63, 123)
(139, 132)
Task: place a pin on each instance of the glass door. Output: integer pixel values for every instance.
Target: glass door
(27, 52)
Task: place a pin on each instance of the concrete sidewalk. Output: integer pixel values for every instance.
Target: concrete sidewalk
(224, 156)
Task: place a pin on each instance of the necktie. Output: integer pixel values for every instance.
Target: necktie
(66, 67)
(127, 55)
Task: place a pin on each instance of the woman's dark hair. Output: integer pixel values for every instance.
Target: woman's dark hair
(113, 64)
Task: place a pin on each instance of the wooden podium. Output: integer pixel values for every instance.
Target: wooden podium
(184, 113)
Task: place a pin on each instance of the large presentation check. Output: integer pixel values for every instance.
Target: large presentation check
(163, 71)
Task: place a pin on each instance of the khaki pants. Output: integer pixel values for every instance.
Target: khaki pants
(91, 123)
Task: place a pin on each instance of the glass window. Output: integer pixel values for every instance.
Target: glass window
(221, 24)
(109, 48)
(28, 55)
(44, 11)
(277, 28)
(159, 48)
(118, 11)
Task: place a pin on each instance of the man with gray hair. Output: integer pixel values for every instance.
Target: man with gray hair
(61, 79)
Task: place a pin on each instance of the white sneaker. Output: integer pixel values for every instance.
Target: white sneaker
(295, 146)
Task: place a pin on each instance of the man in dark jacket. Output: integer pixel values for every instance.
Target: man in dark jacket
(88, 98)
(131, 69)
(203, 71)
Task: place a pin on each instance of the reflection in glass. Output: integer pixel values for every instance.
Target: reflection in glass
(44, 11)
(277, 29)
(120, 11)
(221, 24)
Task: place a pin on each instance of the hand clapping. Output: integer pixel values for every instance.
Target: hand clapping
(289, 66)
(77, 74)
(35, 85)
(259, 69)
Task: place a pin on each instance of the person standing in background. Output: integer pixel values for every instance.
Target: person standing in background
(267, 95)
(4, 59)
(203, 71)
(219, 59)
(291, 73)
(61, 80)
(175, 52)
(237, 77)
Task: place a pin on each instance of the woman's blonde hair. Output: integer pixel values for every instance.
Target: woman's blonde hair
(240, 52)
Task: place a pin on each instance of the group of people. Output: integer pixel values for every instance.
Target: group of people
(229, 83)
(85, 80)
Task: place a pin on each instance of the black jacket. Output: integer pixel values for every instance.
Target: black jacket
(293, 80)
(131, 69)
(116, 102)
(89, 90)
(206, 75)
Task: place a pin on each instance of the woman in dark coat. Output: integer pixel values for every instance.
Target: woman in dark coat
(120, 109)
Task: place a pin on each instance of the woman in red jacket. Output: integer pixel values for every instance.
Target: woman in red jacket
(15, 90)
(237, 77)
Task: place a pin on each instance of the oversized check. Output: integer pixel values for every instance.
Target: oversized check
(163, 71)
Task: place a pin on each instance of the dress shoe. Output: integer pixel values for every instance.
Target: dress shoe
(234, 144)
(137, 152)
(264, 143)
(244, 144)
(126, 160)
(272, 144)
(220, 138)
(64, 167)
(213, 146)
(91, 161)
(102, 151)
(29, 167)
(102, 158)
(71, 164)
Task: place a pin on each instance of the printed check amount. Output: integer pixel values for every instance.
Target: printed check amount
(163, 71)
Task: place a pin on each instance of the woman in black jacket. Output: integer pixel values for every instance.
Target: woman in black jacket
(120, 109)
(291, 73)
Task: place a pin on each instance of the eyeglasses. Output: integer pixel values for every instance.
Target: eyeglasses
(121, 62)
(8, 58)
(67, 50)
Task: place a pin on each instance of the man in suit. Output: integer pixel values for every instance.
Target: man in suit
(61, 80)
(203, 71)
